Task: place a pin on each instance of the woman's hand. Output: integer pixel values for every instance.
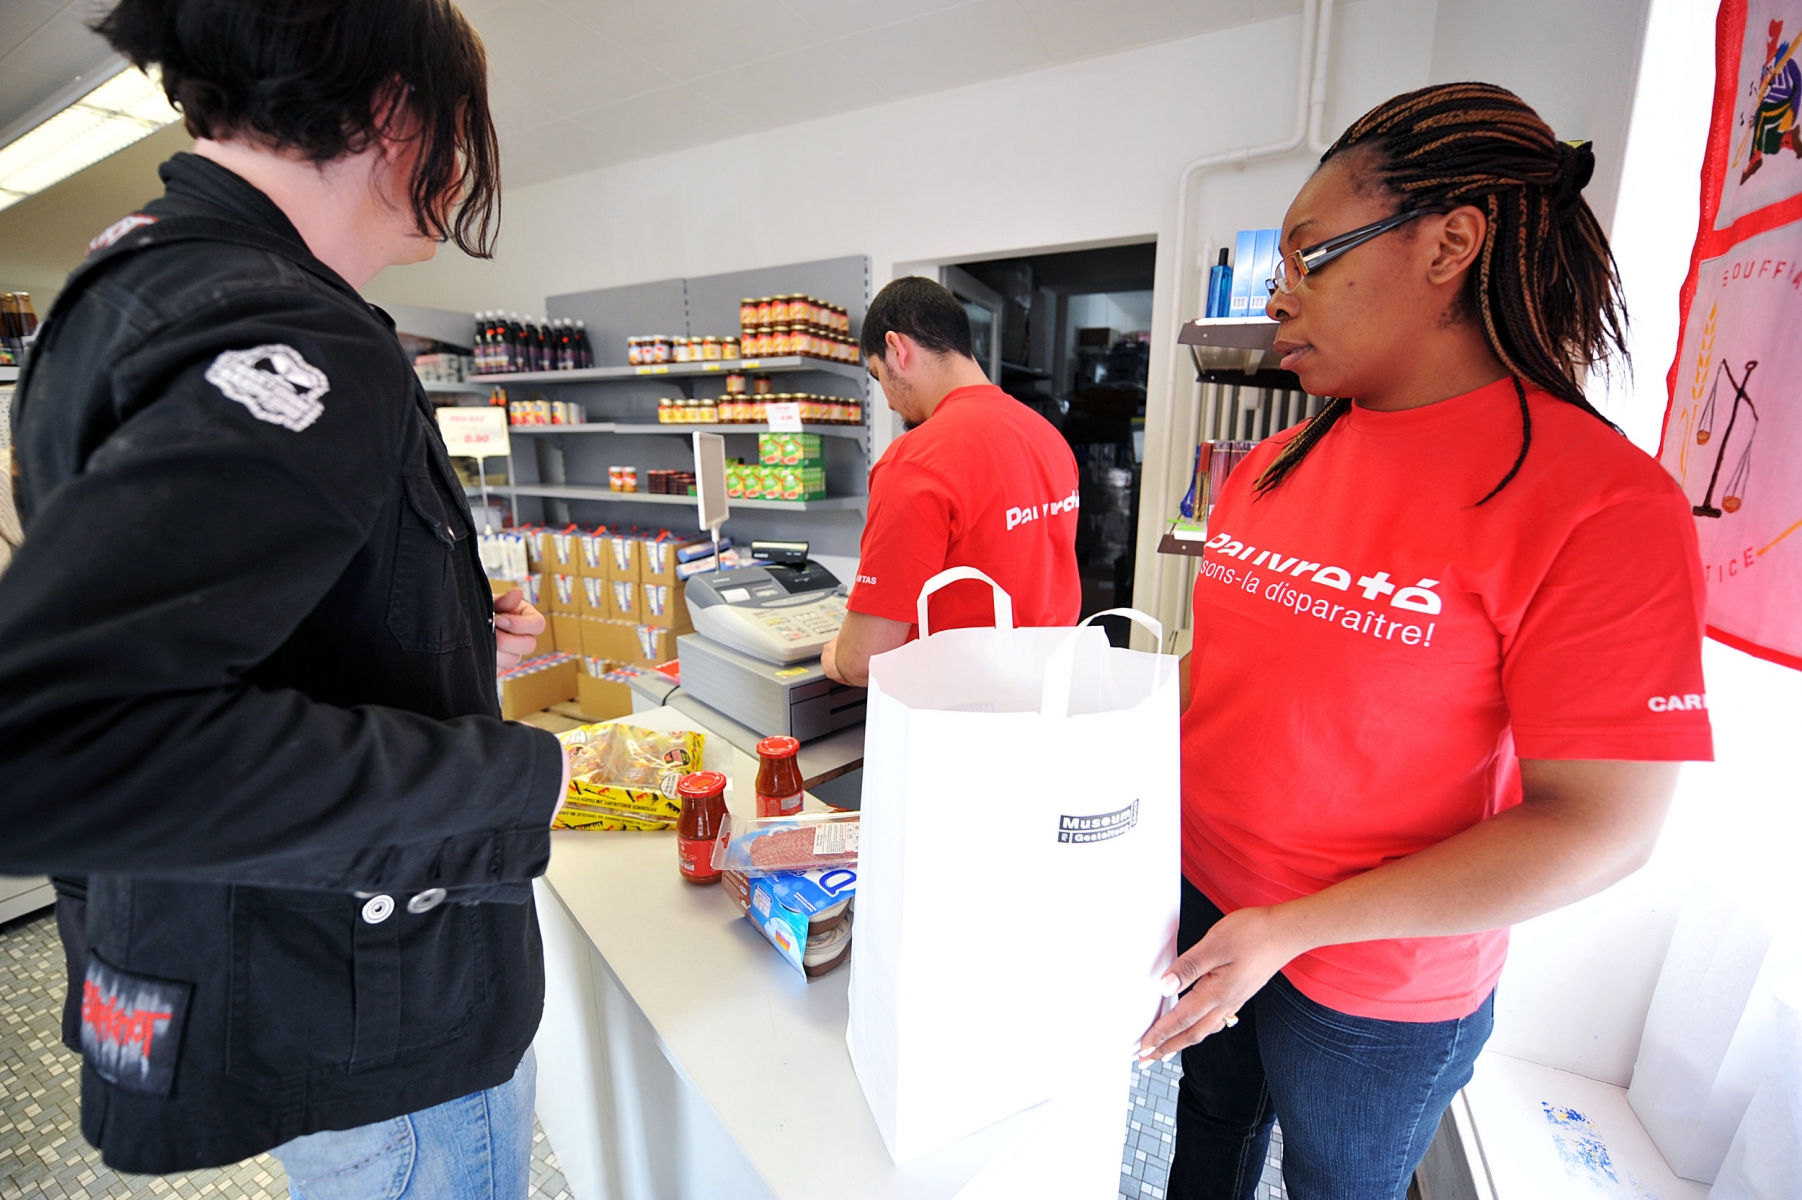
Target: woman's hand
(516, 628)
(1226, 968)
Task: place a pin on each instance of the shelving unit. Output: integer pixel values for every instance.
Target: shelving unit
(467, 388)
(741, 427)
(607, 495)
(763, 366)
(557, 471)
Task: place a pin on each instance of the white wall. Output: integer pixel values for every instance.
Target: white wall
(975, 172)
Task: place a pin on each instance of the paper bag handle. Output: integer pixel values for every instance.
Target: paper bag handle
(1150, 623)
(1060, 668)
(1004, 603)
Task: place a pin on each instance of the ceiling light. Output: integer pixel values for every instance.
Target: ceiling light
(125, 108)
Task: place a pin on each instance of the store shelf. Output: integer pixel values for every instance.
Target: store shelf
(791, 362)
(844, 431)
(1230, 343)
(576, 492)
(454, 389)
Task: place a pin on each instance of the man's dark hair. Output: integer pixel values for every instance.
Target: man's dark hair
(315, 76)
(923, 310)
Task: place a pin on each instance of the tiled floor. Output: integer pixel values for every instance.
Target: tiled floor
(42, 1153)
(1145, 1163)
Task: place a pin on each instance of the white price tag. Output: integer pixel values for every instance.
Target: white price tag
(474, 432)
(785, 417)
(840, 838)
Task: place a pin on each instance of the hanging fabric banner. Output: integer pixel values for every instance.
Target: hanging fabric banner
(1733, 428)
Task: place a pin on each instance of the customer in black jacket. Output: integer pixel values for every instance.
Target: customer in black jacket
(247, 650)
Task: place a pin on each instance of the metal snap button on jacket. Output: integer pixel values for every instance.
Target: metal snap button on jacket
(378, 909)
(426, 901)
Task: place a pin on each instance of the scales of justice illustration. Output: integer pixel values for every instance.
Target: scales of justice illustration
(1734, 494)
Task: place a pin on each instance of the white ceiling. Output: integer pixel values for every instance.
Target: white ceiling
(579, 84)
(45, 46)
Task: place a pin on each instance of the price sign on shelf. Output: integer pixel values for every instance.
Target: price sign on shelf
(474, 432)
(785, 416)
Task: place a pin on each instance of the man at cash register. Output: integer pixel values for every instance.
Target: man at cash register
(979, 480)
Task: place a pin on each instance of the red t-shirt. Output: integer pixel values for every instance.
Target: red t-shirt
(984, 482)
(1373, 652)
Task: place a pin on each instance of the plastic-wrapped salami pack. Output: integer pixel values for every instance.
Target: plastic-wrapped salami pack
(805, 842)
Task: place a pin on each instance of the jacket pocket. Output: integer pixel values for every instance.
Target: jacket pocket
(314, 984)
(426, 607)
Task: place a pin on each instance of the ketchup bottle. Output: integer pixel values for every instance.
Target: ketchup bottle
(698, 828)
(778, 777)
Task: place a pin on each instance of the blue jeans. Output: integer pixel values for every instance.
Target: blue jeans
(478, 1147)
(1359, 1098)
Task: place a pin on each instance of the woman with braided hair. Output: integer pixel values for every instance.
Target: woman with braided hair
(1447, 651)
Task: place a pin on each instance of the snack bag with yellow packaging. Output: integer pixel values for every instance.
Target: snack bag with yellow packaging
(622, 777)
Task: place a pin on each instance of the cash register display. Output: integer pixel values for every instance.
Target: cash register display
(778, 613)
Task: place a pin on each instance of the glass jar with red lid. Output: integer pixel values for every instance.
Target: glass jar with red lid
(778, 777)
(698, 828)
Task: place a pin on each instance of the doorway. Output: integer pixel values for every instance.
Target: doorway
(1068, 334)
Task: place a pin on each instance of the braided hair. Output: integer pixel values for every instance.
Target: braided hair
(1545, 288)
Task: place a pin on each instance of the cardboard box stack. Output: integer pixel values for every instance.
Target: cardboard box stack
(612, 593)
(538, 683)
(603, 690)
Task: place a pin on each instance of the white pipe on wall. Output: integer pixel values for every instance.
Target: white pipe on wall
(1310, 106)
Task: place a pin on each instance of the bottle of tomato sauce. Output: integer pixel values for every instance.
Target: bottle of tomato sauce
(703, 796)
(778, 777)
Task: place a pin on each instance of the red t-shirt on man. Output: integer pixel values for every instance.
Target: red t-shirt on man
(984, 482)
(1374, 653)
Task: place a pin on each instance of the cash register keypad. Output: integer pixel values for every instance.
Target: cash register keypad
(810, 624)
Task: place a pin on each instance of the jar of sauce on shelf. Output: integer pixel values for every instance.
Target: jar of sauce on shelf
(747, 312)
(735, 382)
(765, 305)
(710, 349)
(761, 385)
(729, 347)
(703, 796)
(778, 777)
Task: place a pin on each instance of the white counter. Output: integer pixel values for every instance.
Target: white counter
(681, 1058)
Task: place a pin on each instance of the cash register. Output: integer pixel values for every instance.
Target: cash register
(755, 652)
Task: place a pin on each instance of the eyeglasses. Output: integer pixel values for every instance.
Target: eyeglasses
(1297, 265)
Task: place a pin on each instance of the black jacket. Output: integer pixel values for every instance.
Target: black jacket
(247, 669)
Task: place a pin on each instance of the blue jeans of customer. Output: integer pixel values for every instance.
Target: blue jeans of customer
(1359, 1099)
(478, 1147)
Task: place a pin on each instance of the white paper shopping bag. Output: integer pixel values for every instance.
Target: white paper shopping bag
(1019, 875)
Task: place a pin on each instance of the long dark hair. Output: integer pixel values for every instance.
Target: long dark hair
(1545, 288)
(312, 76)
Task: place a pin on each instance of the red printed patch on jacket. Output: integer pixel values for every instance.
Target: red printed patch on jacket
(119, 229)
(131, 1027)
